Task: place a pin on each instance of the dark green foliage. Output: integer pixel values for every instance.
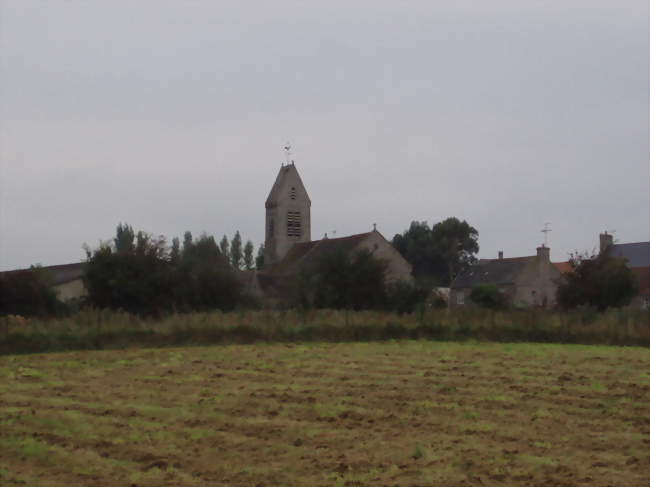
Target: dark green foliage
(342, 280)
(236, 252)
(404, 297)
(248, 255)
(135, 278)
(224, 246)
(124, 239)
(259, 260)
(175, 252)
(102, 329)
(457, 242)
(203, 279)
(139, 275)
(29, 293)
(488, 296)
(347, 281)
(417, 246)
(439, 253)
(599, 281)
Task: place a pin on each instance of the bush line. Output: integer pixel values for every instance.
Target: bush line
(98, 330)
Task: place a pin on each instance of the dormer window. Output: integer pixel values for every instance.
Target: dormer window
(294, 224)
(292, 193)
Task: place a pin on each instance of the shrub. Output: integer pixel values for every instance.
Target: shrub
(344, 281)
(404, 297)
(138, 274)
(29, 293)
(599, 281)
(488, 296)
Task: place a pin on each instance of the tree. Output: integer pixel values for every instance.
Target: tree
(259, 260)
(488, 296)
(136, 278)
(601, 281)
(457, 243)
(248, 255)
(124, 239)
(417, 246)
(341, 280)
(224, 246)
(147, 278)
(187, 241)
(175, 252)
(236, 254)
(204, 279)
(404, 297)
(29, 293)
(440, 253)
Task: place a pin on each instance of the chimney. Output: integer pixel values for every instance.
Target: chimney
(606, 240)
(544, 253)
(500, 254)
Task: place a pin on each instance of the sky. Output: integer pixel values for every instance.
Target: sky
(172, 116)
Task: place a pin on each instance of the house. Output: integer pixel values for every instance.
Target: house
(66, 279)
(526, 281)
(637, 255)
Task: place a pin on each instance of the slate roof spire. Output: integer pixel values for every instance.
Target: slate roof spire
(288, 213)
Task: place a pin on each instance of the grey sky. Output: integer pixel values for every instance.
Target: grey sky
(171, 115)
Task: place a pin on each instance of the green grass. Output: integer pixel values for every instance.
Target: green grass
(352, 414)
(91, 330)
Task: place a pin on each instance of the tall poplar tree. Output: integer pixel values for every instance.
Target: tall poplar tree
(248, 255)
(236, 254)
(224, 246)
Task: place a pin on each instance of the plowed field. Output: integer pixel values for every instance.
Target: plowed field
(395, 414)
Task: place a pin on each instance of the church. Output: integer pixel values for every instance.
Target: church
(289, 249)
(288, 246)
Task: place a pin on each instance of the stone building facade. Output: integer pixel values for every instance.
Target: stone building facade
(526, 281)
(303, 256)
(288, 215)
(289, 250)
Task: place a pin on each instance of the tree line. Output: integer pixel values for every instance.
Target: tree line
(142, 274)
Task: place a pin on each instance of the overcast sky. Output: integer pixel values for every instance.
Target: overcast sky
(171, 116)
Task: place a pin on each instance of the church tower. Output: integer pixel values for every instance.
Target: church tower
(288, 218)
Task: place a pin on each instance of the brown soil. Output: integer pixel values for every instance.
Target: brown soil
(396, 414)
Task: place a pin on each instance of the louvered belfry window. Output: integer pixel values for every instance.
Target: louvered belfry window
(293, 224)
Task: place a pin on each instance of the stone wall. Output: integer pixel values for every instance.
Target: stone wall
(70, 290)
(398, 268)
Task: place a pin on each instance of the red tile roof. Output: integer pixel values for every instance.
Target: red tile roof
(563, 267)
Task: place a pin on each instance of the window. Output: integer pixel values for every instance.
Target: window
(293, 224)
(292, 193)
(271, 226)
(460, 297)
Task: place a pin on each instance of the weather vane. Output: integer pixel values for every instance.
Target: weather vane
(545, 231)
(287, 152)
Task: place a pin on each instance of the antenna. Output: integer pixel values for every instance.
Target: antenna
(545, 231)
(287, 152)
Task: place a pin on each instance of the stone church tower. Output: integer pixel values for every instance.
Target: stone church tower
(288, 217)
